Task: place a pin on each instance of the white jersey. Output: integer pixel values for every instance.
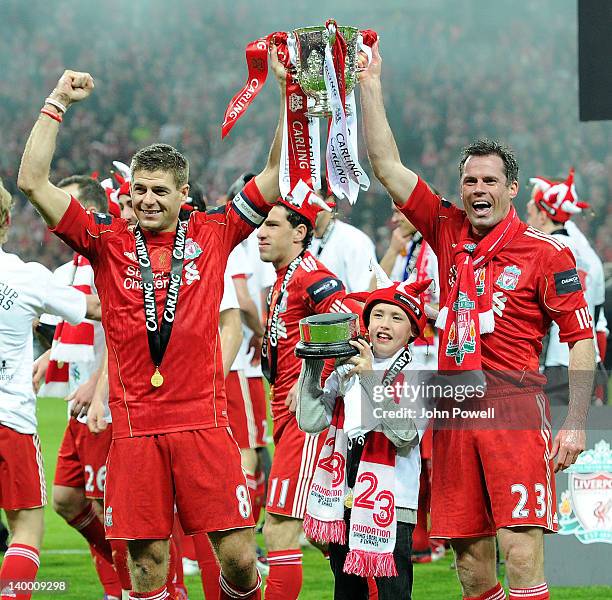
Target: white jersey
(237, 266)
(420, 262)
(26, 291)
(347, 252)
(259, 275)
(229, 298)
(602, 325)
(590, 271)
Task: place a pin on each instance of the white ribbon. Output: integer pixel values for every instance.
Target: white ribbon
(346, 176)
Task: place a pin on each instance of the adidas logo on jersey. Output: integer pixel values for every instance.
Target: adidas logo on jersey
(191, 273)
(499, 303)
(309, 264)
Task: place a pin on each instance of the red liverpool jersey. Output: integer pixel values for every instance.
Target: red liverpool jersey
(534, 283)
(312, 289)
(192, 395)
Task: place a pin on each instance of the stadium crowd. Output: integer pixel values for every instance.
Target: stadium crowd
(522, 89)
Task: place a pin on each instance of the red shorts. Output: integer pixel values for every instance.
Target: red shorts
(293, 466)
(487, 479)
(81, 460)
(198, 470)
(244, 410)
(22, 477)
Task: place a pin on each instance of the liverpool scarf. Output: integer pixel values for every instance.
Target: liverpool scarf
(373, 523)
(468, 311)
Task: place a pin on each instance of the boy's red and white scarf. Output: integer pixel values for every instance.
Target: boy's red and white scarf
(71, 343)
(373, 523)
(468, 311)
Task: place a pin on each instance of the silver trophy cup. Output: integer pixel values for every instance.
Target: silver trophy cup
(309, 43)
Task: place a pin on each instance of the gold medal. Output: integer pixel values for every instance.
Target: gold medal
(157, 379)
(348, 500)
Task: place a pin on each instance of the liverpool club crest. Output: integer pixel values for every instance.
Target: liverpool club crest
(462, 333)
(586, 507)
(192, 249)
(508, 278)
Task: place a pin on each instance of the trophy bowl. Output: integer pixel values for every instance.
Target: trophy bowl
(309, 43)
(327, 336)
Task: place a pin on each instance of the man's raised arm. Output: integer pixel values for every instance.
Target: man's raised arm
(33, 180)
(267, 180)
(380, 143)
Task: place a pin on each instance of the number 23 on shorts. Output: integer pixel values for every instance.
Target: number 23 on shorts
(521, 511)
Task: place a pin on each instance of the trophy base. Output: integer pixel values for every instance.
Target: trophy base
(322, 351)
(321, 109)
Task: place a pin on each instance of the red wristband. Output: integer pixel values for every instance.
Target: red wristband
(55, 116)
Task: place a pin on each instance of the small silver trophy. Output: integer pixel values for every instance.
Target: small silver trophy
(327, 336)
(309, 46)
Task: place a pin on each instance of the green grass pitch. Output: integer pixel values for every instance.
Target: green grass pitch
(65, 555)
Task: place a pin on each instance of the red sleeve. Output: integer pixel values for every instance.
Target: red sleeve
(423, 209)
(82, 230)
(245, 212)
(561, 295)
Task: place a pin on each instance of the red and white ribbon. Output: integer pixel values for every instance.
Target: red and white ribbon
(300, 154)
(257, 63)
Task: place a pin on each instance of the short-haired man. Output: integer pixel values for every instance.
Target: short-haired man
(167, 413)
(506, 482)
(26, 291)
(303, 287)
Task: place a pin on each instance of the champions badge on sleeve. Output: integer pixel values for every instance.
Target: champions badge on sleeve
(321, 65)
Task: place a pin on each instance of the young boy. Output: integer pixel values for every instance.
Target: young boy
(367, 477)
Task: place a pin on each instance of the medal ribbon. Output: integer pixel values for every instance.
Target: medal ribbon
(159, 335)
(269, 345)
(397, 366)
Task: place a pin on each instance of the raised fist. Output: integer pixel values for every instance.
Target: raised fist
(73, 87)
